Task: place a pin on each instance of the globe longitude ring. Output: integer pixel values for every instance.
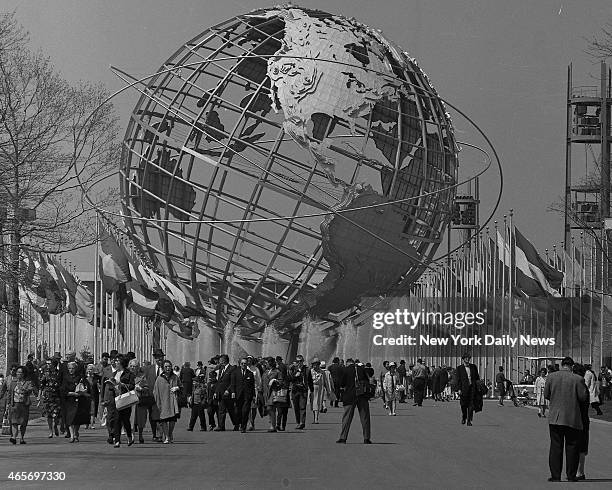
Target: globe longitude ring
(260, 161)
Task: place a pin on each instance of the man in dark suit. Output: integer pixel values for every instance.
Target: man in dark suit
(151, 374)
(186, 376)
(565, 391)
(467, 375)
(223, 393)
(350, 373)
(243, 392)
(300, 378)
(335, 370)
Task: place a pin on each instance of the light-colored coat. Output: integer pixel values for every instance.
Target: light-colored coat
(592, 385)
(165, 400)
(565, 391)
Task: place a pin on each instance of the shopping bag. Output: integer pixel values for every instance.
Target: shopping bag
(126, 400)
(6, 426)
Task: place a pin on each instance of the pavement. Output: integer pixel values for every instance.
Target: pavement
(422, 447)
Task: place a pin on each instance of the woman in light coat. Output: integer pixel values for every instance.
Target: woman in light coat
(165, 391)
(390, 384)
(593, 385)
(538, 391)
(321, 389)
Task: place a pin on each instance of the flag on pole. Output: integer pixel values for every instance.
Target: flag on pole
(144, 300)
(534, 276)
(114, 264)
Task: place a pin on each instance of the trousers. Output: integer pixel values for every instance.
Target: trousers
(363, 406)
(300, 399)
(419, 390)
(243, 410)
(122, 420)
(560, 435)
(198, 411)
(226, 407)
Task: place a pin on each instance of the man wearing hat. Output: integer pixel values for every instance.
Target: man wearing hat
(300, 378)
(467, 375)
(419, 376)
(151, 374)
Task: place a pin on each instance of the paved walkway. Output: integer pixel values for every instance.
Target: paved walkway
(422, 447)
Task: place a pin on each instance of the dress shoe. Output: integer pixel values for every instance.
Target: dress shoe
(67, 436)
(469, 423)
(554, 479)
(130, 441)
(236, 428)
(141, 440)
(155, 439)
(301, 426)
(341, 441)
(243, 431)
(189, 429)
(252, 428)
(211, 427)
(281, 429)
(367, 441)
(574, 479)
(271, 430)
(110, 440)
(219, 429)
(414, 404)
(463, 421)
(117, 444)
(23, 442)
(13, 440)
(581, 477)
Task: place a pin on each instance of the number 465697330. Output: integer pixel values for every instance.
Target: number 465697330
(36, 475)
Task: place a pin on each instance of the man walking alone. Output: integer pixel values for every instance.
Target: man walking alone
(565, 391)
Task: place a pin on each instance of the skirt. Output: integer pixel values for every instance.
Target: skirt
(170, 419)
(20, 414)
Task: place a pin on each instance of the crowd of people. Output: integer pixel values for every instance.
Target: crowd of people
(123, 394)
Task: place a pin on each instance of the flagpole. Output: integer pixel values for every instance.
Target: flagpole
(581, 291)
(96, 320)
(513, 359)
(487, 285)
(591, 294)
(495, 279)
(604, 285)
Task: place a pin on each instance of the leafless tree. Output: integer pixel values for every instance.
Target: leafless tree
(56, 139)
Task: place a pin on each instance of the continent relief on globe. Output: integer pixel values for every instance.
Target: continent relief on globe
(330, 67)
(361, 263)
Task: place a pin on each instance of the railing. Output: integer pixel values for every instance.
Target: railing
(590, 91)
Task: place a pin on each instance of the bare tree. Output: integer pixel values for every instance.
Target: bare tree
(56, 139)
(600, 46)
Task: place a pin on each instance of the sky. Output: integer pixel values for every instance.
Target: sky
(503, 63)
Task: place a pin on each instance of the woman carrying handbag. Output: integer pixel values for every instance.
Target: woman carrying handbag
(166, 390)
(120, 383)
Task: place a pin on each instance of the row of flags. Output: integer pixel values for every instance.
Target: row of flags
(145, 292)
(46, 284)
(508, 262)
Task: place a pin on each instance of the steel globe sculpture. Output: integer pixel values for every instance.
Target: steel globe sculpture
(262, 154)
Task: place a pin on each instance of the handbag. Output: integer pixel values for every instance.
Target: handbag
(6, 426)
(280, 395)
(126, 400)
